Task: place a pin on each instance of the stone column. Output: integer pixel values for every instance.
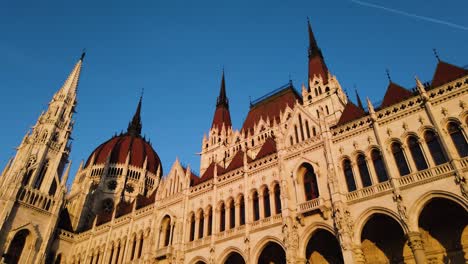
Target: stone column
(227, 213)
(272, 202)
(171, 234)
(417, 246)
(206, 218)
(261, 207)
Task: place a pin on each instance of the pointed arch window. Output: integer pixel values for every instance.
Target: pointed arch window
(266, 202)
(310, 182)
(363, 170)
(416, 153)
(210, 222)
(433, 144)
(379, 166)
(307, 128)
(222, 218)
(301, 127)
(192, 227)
(201, 224)
(142, 239)
(458, 139)
(41, 175)
(16, 246)
(256, 211)
(349, 176)
(400, 159)
(232, 214)
(277, 192)
(242, 210)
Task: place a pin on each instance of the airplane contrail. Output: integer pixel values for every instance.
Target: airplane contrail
(399, 12)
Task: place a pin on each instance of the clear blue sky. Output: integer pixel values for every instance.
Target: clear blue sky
(176, 50)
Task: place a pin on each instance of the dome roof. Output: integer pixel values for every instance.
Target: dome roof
(129, 144)
(119, 147)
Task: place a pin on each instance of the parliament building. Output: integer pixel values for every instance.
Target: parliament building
(310, 177)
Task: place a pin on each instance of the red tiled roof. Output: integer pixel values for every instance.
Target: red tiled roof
(318, 67)
(103, 218)
(118, 148)
(268, 148)
(221, 116)
(237, 161)
(270, 107)
(394, 95)
(209, 174)
(446, 72)
(351, 112)
(123, 208)
(143, 201)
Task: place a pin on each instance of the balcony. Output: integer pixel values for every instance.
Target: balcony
(425, 176)
(164, 252)
(311, 205)
(370, 191)
(36, 199)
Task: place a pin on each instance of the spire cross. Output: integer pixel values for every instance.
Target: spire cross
(436, 54)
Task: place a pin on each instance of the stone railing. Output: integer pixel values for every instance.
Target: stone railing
(311, 205)
(36, 198)
(369, 191)
(264, 222)
(424, 176)
(464, 163)
(163, 252)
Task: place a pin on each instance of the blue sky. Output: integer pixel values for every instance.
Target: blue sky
(176, 51)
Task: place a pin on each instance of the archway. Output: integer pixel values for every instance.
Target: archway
(323, 247)
(234, 258)
(200, 262)
(16, 246)
(444, 228)
(272, 253)
(383, 240)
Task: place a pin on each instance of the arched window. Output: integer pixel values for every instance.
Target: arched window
(458, 139)
(58, 259)
(167, 230)
(232, 214)
(310, 182)
(417, 153)
(222, 218)
(277, 199)
(266, 202)
(326, 108)
(307, 128)
(400, 159)
(210, 222)
(16, 247)
(41, 175)
(349, 176)
(201, 224)
(301, 127)
(242, 210)
(433, 144)
(192, 227)
(363, 171)
(256, 211)
(320, 90)
(314, 131)
(110, 258)
(53, 188)
(291, 141)
(140, 250)
(316, 92)
(379, 166)
(132, 256)
(296, 134)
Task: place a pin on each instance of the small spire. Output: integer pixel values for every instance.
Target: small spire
(436, 54)
(134, 127)
(388, 75)
(358, 99)
(83, 54)
(222, 98)
(370, 106)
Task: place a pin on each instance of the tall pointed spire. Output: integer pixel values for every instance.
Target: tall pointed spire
(317, 66)
(358, 99)
(222, 115)
(222, 98)
(134, 127)
(70, 85)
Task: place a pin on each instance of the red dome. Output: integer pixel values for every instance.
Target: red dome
(118, 148)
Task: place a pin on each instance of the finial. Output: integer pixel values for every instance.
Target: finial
(358, 98)
(83, 54)
(388, 75)
(436, 54)
(142, 93)
(250, 101)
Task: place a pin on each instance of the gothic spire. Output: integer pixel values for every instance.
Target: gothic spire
(71, 83)
(317, 66)
(222, 98)
(134, 127)
(359, 100)
(222, 115)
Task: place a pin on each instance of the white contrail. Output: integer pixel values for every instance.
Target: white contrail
(429, 19)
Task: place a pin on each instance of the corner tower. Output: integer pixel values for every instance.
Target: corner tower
(323, 95)
(33, 185)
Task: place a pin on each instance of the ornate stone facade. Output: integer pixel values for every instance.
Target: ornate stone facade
(309, 178)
